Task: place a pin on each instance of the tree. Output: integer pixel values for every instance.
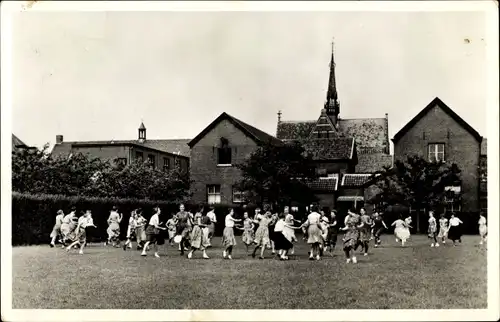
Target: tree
(37, 172)
(417, 183)
(278, 175)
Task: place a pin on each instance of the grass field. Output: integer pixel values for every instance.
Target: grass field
(391, 277)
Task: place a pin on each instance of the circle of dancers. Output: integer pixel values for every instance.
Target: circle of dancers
(263, 231)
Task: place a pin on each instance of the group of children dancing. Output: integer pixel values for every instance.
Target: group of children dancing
(267, 230)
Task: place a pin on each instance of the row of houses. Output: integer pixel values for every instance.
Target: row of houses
(346, 152)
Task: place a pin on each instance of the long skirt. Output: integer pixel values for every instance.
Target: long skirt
(289, 234)
(247, 237)
(184, 231)
(130, 232)
(113, 230)
(79, 235)
(198, 240)
(314, 234)
(228, 238)
(65, 230)
(211, 230)
(351, 238)
(262, 236)
(281, 242)
(455, 233)
(443, 232)
(56, 231)
(365, 234)
(206, 233)
(140, 234)
(402, 233)
(483, 231)
(153, 235)
(171, 234)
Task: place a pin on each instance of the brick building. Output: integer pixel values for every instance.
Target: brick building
(224, 143)
(17, 144)
(162, 154)
(346, 151)
(438, 133)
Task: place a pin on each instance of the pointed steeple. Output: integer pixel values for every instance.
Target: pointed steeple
(332, 105)
(142, 132)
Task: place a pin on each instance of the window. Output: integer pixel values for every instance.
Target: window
(139, 156)
(177, 163)
(213, 194)
(436, 152)
(238, 196)
(121, 162)
(151, 160)
(452, 198)
(321, 172)
(166, 164)
(224, 156)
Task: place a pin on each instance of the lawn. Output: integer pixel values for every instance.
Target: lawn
(391, 277)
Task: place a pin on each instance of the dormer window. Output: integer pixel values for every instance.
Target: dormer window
(224, 153)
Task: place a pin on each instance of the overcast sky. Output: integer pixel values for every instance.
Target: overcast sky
(95, 75)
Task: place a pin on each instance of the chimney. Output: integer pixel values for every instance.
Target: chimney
(59, 139)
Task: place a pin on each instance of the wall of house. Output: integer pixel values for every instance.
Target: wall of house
(460, 148)
(326, 199)
(158, 155)
(203, 162)
(127, 152)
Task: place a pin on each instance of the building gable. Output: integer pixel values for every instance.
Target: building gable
(255, 134)
(436, 103)
(324, 127)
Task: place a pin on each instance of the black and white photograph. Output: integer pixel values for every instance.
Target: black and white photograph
(253, 161)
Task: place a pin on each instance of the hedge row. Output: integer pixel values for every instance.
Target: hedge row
(33, 215)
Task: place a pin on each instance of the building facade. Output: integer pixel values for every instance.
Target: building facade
(161, 154)
(438, 133)
(346, 151)
(227, 141)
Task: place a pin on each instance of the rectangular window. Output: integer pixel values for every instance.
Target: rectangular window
(224, 156)
(139, 156)
(213, 194)
(121, 162)
(238, 196)
(436, 152)
(166, 164)
(177, 163)
(321, 172)
(151, 160)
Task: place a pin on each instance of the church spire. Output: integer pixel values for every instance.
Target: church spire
(332, 104)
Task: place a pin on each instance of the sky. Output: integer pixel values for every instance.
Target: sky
(97, 75)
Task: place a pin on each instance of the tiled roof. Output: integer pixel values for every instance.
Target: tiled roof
(371, 163)
(350, 198)
(291, 130)
(16, 142)
(250, 130)
(370, 133)
(176, 146)
(329, 148)
(355, 179)
(484, 147)
(324, 184)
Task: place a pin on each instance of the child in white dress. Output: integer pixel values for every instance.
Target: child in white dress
(483, 229)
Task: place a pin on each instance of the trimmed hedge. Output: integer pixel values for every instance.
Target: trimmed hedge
(33, 216)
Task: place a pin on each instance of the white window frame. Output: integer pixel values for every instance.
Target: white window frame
(434, 153)
(213, 196)
(238, 196)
